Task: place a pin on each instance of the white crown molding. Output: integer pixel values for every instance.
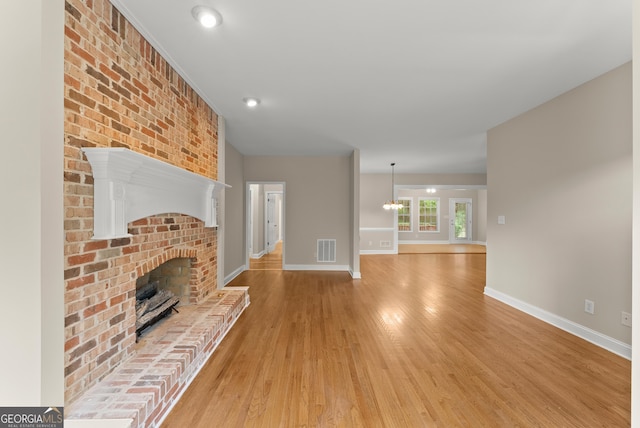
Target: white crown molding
(129, 186)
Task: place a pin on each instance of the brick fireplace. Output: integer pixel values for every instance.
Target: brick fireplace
(120, 93)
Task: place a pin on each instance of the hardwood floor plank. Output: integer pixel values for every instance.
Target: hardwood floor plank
(414, 343)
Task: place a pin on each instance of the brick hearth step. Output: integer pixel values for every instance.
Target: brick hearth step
(142, 390)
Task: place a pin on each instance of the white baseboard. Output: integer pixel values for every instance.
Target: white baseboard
(232, 275)
(344, 268)
(441, 242)
(355, 275)
(257, 255)
(422, 241)
(599, 339)
(362, 252)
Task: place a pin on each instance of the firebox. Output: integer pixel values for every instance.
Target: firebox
(160, 291)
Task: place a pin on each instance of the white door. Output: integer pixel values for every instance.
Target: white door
(272, 226)
(460, 220)
(251, 209)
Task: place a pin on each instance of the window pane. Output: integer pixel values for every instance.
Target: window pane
(404, 216)
(429, 215)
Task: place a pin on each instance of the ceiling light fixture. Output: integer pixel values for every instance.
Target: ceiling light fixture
(206, 16)
(431, 190)
(251, 102)
(392, 204)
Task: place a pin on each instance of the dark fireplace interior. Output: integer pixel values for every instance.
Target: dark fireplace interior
(160, 291)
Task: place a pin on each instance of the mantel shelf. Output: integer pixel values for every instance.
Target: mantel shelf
(129, 186)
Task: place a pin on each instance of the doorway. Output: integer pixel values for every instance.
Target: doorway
(265, 226)
(273, 220)
(460, 220)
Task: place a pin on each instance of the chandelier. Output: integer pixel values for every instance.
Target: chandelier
(392, 204)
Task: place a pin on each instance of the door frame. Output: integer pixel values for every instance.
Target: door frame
(249, 219)
(452, 219)
(249, 212)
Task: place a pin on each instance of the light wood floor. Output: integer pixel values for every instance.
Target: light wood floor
(270, 261)
(415, 343)
(441, 248)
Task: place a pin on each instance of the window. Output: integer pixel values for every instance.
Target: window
(404, 215)
(429, 214)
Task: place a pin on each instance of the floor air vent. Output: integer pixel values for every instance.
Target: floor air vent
(326, 250)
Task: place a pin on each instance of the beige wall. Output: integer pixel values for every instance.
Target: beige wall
(482, 216)
(235, 233)
(354, 224)
(31, 250)
(317, 203)
(438, 179)
(375, 190)
(561, 174)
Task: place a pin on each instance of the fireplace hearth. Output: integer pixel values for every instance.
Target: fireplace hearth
(143, 389)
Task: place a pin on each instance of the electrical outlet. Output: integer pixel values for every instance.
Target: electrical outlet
(626, 319)
(589, 306)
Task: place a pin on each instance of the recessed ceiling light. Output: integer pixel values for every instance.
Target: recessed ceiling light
(251, 102)
(206, 16)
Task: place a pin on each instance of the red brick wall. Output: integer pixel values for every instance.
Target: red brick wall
(119, 92)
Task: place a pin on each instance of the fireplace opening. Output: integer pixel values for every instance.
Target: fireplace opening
(160, 291)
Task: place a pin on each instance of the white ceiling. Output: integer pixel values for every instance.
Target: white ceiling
(416, 82)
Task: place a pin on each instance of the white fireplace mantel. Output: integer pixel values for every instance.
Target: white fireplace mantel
(129, 186)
